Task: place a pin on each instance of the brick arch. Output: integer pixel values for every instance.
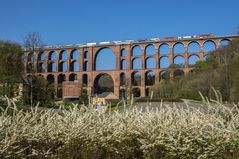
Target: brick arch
(133, 78)
(166, 44)
(133, 63)
(150, 62)
(60, 57)
(150, 45)
(96, 52)
(181, 63)
(190, 43)
(190, 58)
(85, 53)
(41, 67)
(98, 49)
(39, 55)
(123, 52)
(195, 54)
(31, 56)
(99, 74)
(51, 52)
(61, 78)
(225, 39)
(214, 42)
(177, 55)
(122, 78)
(209, 40)
(73, 77)
(111, 73)
(71, 52)
(149, 79)
(134, 46)
(51, 78)
(161, 61)
(123, 64)
(178, 43)
(85, 79)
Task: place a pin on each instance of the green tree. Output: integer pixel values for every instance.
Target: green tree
(42, 91)
(11, 67)
(234, 91)
(83, 93)
(32, 43)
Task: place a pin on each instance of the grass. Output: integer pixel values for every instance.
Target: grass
(81, 132)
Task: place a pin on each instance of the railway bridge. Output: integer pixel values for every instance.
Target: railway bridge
(138, 64)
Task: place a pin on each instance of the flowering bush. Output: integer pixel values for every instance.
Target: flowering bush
(164, 132)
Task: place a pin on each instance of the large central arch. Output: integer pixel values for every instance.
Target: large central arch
(105, 59)
(103, 83)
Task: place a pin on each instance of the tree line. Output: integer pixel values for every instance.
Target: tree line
(218, 72)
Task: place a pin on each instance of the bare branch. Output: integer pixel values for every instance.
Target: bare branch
(33, 41)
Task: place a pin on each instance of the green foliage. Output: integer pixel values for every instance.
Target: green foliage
(39, 90)
(167, 88)
(219, 71)
(84, 94)
(234, 91)
(11, 67)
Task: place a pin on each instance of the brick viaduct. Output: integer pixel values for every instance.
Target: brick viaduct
(81, 68)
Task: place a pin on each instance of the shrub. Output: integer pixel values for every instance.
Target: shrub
(80, 132)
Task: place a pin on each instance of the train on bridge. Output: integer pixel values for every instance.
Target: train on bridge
(200, 36)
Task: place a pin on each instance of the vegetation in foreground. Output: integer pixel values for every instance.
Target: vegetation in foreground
(166, 133)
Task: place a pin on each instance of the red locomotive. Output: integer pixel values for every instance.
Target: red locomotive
(204, 35)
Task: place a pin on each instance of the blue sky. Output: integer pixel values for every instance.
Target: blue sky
(80, 21)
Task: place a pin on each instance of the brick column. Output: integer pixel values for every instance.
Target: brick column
(143, 57)
(128, 57)
(91, 62)
(171, 55)
(118, 56)
(200, 54)
(68, 60)
(67, 77)
(79, 78)
(186, 56)
(142, 87)
(217, 43)
(201, 47)
(81, 59)
(117, 85)
(57, 65)
(46, 61)
(157, 57)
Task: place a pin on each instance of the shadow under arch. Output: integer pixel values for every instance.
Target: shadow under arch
(103, 83)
